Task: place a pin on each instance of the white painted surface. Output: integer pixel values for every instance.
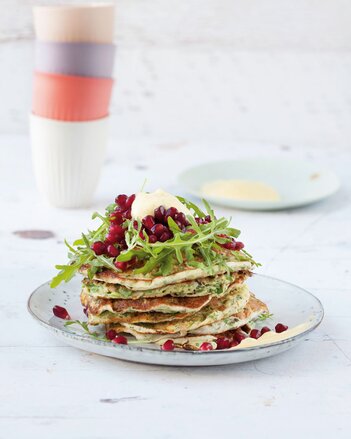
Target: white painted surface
(196, 81)
(48, 389)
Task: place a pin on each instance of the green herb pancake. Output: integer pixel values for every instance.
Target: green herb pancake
(139, 282)
(213, 285)
(253, 309)
(218, 309)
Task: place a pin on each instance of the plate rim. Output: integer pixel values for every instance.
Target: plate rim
(144, 346)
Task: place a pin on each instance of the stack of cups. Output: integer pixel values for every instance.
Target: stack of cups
(72, 90)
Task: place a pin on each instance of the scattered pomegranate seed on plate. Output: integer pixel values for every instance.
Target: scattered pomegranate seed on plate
(168, 345)
(222, 343)
(234, 343)
(61, 312)
(265, 329)
(206, 346)
(279, 327)
(111, 334)
(255, 333)
(239, 336)
(120, 339)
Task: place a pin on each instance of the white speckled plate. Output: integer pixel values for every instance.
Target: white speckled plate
(298, 182)
(289, 304)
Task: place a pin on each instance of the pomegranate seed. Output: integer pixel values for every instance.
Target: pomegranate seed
(61, 312)
(141, 235)
(148, 221)
(135, 225)
(181, 218)
(152, 239)
(255, 333)
(166, 236)
(111, 334)
(234, 343)
(239, 336)
(130, 201)
(121, 265)
(172, 212)
(239, 246)
(222, 343)
(132, 262)
(159, 214)
(116, 218)
(158, 230)
(123, 244)
(120, 339)
(264, 330)
(179, 224)
(230, 245)
(168, 345)
(112, 251)
(111, 239)
(115, 234)
(128, 214)
(99, 248)
(208, 218)
(121, 200)
(279, 327)
(117, 230)
(206, 346)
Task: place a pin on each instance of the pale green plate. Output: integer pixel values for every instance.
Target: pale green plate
(298, 182)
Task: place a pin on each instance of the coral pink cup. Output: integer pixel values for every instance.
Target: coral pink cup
(71, 98)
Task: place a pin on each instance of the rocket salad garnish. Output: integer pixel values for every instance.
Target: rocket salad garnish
(155, 244)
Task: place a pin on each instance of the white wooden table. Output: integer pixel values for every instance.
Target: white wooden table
(48, 389)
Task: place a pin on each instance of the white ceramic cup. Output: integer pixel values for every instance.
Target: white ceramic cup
(67, 159)
(90, 23)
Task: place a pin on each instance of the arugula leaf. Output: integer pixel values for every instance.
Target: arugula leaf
(85, 327)
(192, 206)
(264, 316)
(198, 245)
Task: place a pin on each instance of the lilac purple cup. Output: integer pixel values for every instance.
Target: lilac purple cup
(81, 59)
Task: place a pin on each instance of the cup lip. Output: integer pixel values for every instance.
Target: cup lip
(89, 6)
(67, 122)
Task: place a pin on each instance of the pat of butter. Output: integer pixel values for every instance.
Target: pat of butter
(241, 190)
(145, 204)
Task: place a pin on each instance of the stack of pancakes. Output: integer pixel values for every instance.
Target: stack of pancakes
(188, 306)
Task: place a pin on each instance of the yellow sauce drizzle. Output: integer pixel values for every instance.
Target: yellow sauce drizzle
(241, 190)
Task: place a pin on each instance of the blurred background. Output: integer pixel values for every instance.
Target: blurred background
(272, 71)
